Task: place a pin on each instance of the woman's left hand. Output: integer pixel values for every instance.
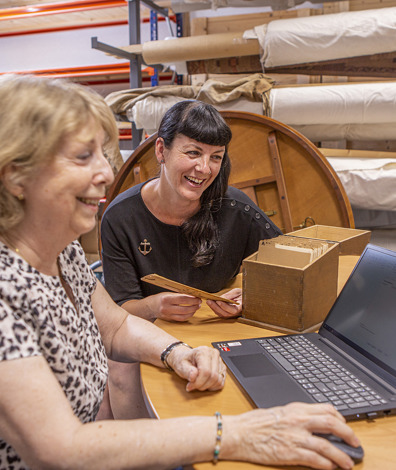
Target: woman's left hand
(224, 309)
(202, 367)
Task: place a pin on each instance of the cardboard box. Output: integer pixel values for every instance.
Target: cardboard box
(352, 241)
(289, 296)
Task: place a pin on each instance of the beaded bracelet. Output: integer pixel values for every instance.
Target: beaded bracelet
(165, 353)
(219, 433)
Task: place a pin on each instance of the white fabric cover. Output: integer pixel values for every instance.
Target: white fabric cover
(326, 37)
(368, 182)
(147, 113)
(365, 111)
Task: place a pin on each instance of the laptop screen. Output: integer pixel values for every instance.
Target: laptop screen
(364, 315)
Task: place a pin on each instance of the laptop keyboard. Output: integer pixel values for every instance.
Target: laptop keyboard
(319, 374)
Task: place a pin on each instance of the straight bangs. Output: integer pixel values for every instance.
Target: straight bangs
(203, 124)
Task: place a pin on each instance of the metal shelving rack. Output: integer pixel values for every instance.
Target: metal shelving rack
(135, 60)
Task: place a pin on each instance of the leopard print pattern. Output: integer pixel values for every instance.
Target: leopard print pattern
(38, 318)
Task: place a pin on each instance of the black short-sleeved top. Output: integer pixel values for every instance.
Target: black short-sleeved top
(37, 318)
(135, 243)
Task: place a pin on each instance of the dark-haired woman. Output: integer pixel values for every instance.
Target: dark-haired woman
(186, 225)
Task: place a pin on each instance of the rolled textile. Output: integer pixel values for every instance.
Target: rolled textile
(368, 177)
(335, 104)
(211, 46)
(326, 37)
(369, 183)
(365, 111)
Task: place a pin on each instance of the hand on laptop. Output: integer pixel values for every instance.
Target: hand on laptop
(284, 436)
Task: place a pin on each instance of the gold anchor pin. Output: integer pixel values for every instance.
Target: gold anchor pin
(145, 247)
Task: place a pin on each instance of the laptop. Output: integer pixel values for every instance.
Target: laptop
(350, 362)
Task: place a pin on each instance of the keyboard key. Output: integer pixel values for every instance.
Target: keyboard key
(313, 380)
(360, 399)
(322, 387)
(352, 384)
(320, 397)
(295, 374)
(337, 402)
(302, 381)
(360, 404)
(333, 386)
(374, 402)
(341, 407)
(285, 364)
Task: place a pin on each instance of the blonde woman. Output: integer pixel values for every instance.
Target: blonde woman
(58, 324)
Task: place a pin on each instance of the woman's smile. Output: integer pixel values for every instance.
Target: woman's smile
(93, 202)
(195, 181)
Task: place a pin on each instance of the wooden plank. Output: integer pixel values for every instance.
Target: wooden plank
(376, 65)
(283, 197)
(356, 5)
(335, 7)
(233, 23)
(199, 26)
(246, 64)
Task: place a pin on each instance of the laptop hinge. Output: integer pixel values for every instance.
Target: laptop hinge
(359, 365)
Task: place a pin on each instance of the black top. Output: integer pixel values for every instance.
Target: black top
(135, 243)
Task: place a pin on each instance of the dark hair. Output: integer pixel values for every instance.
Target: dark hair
(203, 123)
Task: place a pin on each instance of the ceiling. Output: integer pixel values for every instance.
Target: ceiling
(32, 16)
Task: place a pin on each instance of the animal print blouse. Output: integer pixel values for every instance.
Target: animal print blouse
(37, 318)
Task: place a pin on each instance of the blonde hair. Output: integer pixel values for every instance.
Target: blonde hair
(37, 115)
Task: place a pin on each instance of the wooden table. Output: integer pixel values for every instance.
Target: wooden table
(168, 397)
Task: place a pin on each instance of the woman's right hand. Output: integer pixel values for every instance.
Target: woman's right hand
(171, 306)
(284, 436)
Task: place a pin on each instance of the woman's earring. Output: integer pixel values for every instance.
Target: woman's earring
(162, 161)
(20, 197)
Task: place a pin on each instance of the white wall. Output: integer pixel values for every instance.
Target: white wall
(66, 49)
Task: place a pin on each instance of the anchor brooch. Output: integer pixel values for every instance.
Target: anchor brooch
(145, 247)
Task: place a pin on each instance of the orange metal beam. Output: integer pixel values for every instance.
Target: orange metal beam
(64, 28)
(88, 71)
(56, 8)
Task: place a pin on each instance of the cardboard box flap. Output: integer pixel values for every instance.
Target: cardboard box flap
(352, 241)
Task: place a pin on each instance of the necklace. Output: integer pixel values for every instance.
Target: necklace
(6, 240)
(40, 266)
